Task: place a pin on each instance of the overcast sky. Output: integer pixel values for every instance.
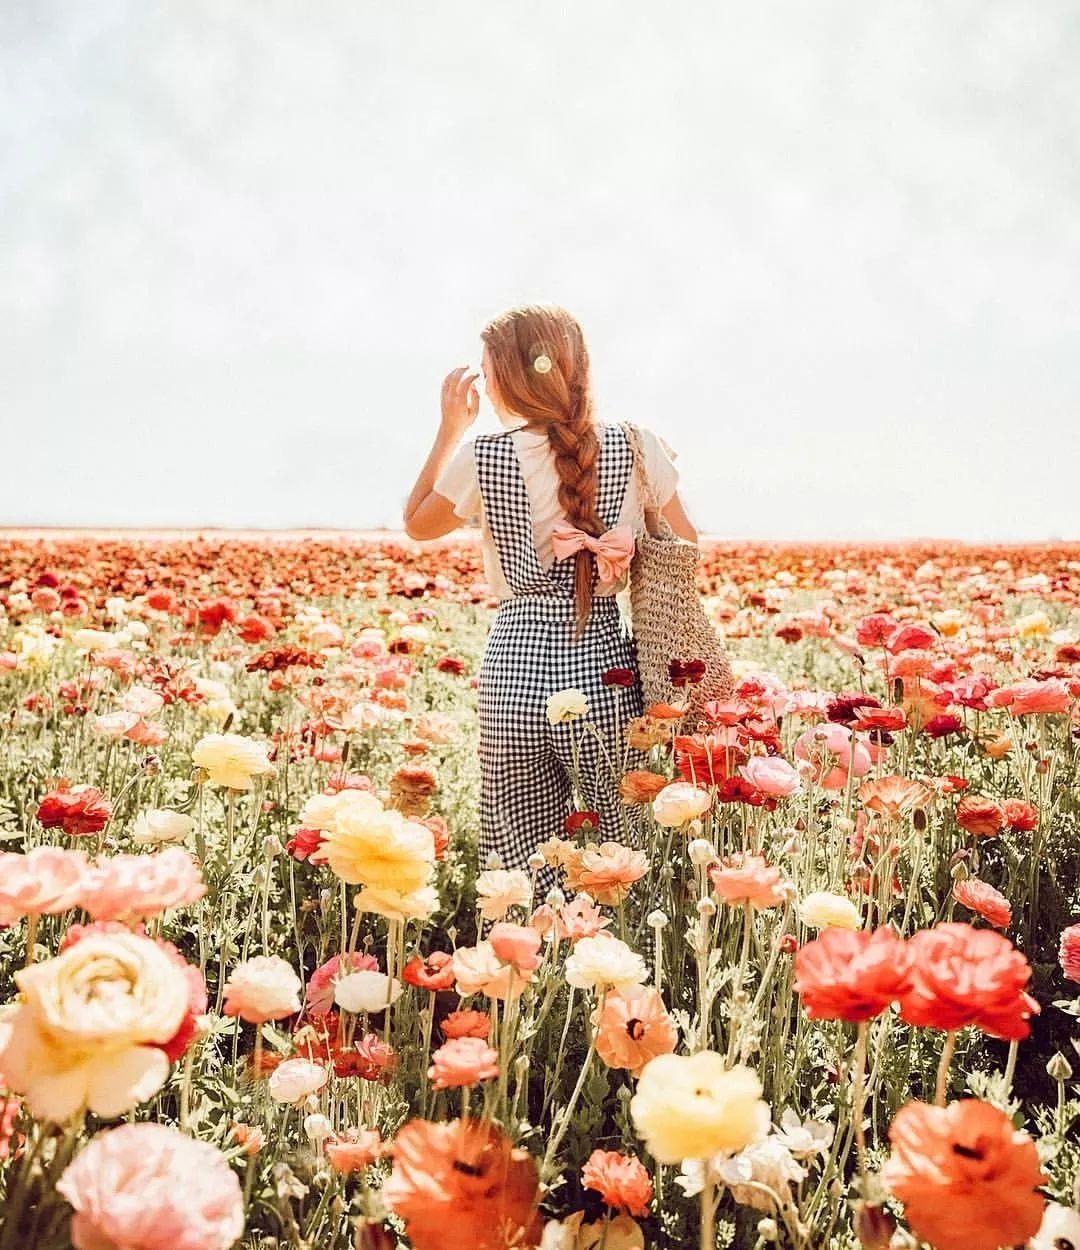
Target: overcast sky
(829, 249)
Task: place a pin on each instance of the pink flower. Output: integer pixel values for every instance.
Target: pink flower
(830, 752)
(135, 886)
(516, 944)
(463, 1061)
(44, 881)
(748, 878)
(1069, 952)
(148, 1187)
(319, 998)
(981, 898)
(1031, 697)
(772, 775)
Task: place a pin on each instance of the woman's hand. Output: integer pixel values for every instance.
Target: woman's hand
(460, 401)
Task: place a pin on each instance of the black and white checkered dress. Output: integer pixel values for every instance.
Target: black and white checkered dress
(526, 763)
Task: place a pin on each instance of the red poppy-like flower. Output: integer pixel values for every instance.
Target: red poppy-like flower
(440, 831)
(967, 1178)
(432, 972)
(875, 630)
(578, 822)
(853, 975)
(845, 709)
(739, 790)
(943, 725)
(1069, 952)
(625, 677)
(980, 815)
(963, 975)
(1020, 816)
(451, 664)
(305, 844)
(686, 672)
(914, 637)
(622, 1181)
(463, 1186)
(466, 1024)
(985, 901)
(78, 810)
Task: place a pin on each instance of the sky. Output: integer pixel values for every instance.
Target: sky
(829, 250)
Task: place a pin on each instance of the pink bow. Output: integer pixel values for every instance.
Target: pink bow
(613, 549)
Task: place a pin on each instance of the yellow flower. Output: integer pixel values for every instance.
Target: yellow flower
(369, 844)
(692, 1107)
(678, 803)
(566, 705)
(948, 622)
(397, 906)
(231, 760)
(822, 910)
(84, 1033)
(1033, 625)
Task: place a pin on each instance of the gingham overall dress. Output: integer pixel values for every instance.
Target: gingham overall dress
(531, 653)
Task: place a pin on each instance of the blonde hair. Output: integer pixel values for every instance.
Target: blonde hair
(557, 401)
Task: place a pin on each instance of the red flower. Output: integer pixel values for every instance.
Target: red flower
(435, 972)
(963, 975)
(985, 901)
(1021, 817)
(852, 975)
(305, 844)
(845, 709)
(943, 725)
(78, 811)
(911, 638)
(576, 822)
(619, 677)
(686, 672)
(451, 664)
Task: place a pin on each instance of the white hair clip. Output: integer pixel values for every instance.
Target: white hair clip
(542, 364)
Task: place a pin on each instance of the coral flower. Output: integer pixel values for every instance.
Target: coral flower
(463, 1061)
(634, 1027)
(580, 918)
(967, 1178)
(77, 810)
(894, 796)
(852, 975)
(44, 881)
(355, 1150)
(607, 872)
(466, 1024)
(962, 975)
(985, 901)
(516, 944)
(138, 886)
(463, 1186)
(979, 815)
(640, 787)
(1020, 816)
(431, 972)
(748, 878)
(1069, 952)
(621, 1181)
(831, 752)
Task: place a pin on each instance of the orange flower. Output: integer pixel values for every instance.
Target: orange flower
(641, 786)
(852, 975)
(606, 872)
(355, 1150)
(894, 796)
(1020, 816)
(466, 1024)
(746, 878)
(643, 733)
(621, 1181)
(463, 1061)
(979, 815)
(633, 1028)
(666, 711)
(985, 901)
(462, 1186)
(966, 1176)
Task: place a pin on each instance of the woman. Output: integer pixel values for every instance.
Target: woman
(557, 500)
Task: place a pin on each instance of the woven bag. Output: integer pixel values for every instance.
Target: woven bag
(667, 616)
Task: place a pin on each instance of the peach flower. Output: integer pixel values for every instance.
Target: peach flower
(261, 989)
(979, 815)
(985, 901)
(516, 944)
(132, 887)
(466, 1024)
(831, 752)
(463, 1061)
(621, 1180)
(355, 1150)
(772, 775)
(606, 872)
(478, 970)
(640, 787)
(748, 878)
(43, 882)
(633, 1027)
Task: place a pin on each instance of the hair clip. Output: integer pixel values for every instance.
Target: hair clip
(542, 364)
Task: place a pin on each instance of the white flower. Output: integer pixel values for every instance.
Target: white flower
(679, 802)
(805, 1138)
(159, 824)
(366, 991)
(1060, 1227)
(499, 889)
(143, 701)
(822, 910)
(566, 705)
(317, 1128)
(600, 963)
(114, 724)
(93, 640)
(292, 1080)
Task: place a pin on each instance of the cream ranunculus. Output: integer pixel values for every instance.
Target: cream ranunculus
(292, 1080)
(262, 988)
(417, 905)
(566, 705)
(822, 910)
(694, 1106)
(367, 990)
(231, 760)
(369, 844)
(159, 824)
(86, 1032)
(499, 889)
(601, 963)
(679, 803)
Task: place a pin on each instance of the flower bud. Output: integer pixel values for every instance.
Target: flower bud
(701, 852)
(535, 861)
(272, 846)
(1058, 1068)
(874, 1226)
(706, 908)
(555, 898)
(656, 919)
(317, 1128)
(844, 824)
(767, 1229)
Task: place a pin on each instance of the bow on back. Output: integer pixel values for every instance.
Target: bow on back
(613, 549)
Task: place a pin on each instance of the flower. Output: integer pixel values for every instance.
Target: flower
(263, 988)
(150, 1187)
(355, 1150)
(231, 760)
(772, 775)
(983, 899)
(91, 1025)
(294, 1079)
(962, 975)
(516, 944)
(369, 844)
(822, 910)
(137, 886)
(894, 796)
(604, 962)
(1069, 952)
(433, 972)
(767, 1162)
(745, 878)
(621, 1180)
(416, 905)
(1020, 816)
(854, 976)
(606, 872)
(979, 815)
(640, 786)
(678, 803)
(632, 1027)
(478, 970)
(366, 990)
(319, 995)
(43, 882)
(1059, 1230)
(566, 705)
(693, 1106)
(966, 1176)
(499, 889)
(159, 824)
(77, 810)
(466, 1024)
(462, 1186)
(463, 1061)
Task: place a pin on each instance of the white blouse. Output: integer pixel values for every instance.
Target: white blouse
(459, 484)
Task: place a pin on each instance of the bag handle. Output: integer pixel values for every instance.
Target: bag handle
(653, 520)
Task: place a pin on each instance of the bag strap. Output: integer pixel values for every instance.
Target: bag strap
(652, 519)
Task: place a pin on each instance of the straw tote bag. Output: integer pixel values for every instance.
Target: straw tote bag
(667, 616)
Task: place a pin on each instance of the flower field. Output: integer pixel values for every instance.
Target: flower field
(259, 991)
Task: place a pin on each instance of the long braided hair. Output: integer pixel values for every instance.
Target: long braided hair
(559, 402)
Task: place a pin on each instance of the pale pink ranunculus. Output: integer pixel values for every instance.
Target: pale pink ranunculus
(149, 1187)
(831, 752)
(128, 887)
(262, 988)
(772, 775)
(478, 970)
(294, 1079)
(516, 944)
(319, 997)
(43, 882)
(1069, 952)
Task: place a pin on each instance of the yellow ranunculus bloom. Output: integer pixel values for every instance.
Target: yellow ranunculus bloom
(822, 910)
(693, 1107)
(369, 844)
(231, 759)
